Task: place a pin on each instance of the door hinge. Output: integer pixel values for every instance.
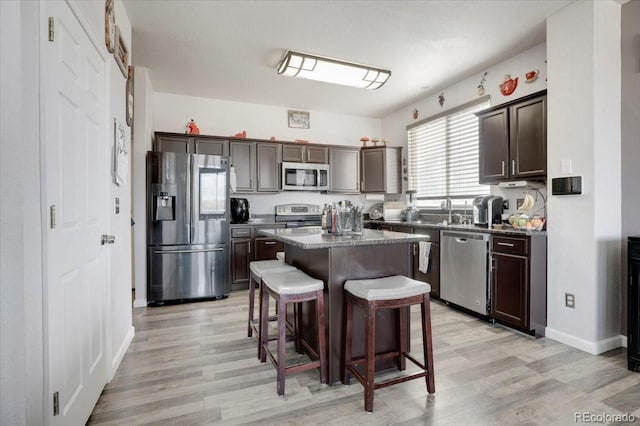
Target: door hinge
(56, 404)
(51, 28)
(52, 216)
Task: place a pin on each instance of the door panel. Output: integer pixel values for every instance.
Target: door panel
(494, 146)
(209, 209)
(76, 161)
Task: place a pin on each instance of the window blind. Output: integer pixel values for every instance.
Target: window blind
(443, 157)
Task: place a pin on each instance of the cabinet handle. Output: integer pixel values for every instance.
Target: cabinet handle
(249, 245)
(503, 167)
(513, 167)
(414, 248)
(506, 244)
(308, 156)
(269, 243)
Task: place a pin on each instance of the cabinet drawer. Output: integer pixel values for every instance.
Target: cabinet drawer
(510, 245)
(240, 232)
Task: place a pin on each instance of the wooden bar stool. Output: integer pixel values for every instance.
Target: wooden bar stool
(292, 287)
(258, 267)
(394, 292)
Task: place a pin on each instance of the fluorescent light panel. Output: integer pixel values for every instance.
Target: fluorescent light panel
(312, 67)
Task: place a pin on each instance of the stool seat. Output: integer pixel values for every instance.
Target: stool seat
(259, 267)
(293, 282)
(387, 288)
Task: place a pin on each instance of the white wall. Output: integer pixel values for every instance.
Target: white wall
(583, 50)
(395, 125)
(141, 143)
(630, 130)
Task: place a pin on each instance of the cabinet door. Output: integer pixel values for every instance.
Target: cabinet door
(528, 139)
(268, 167)
(266, 248)
(240, 258)
(373, 170)
(510, 290)
(344, 170)
(211, 146)
(316, 154)
(494, 146)
(171, 143)
(633, 308)
(432, 277)
(292, 153)
(243, 159)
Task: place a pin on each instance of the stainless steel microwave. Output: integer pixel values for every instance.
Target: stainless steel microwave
(305, 177)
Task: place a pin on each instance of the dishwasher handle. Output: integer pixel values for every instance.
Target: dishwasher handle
(462, 240)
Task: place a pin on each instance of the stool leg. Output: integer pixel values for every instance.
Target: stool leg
(297, 326)
(260, 296)
(427, 343)
(402, 337)
(348, 325)
(322, 337)
(252, 296)
(282, 340)
(264, 323)
(370, 355)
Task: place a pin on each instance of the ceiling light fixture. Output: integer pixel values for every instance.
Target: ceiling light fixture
(313, 67)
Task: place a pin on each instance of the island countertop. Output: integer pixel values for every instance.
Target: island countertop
(316, 238)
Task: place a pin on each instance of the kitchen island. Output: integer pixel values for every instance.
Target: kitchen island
(335, 259)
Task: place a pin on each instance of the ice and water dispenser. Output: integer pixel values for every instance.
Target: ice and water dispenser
(164, 202)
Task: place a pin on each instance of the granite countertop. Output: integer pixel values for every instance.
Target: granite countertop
(315, 238)
(459, 227)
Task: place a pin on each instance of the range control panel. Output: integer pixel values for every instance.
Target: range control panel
(298, 210)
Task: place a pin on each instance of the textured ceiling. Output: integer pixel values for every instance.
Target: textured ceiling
(229, 49)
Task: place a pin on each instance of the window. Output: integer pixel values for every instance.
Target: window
(443, 157)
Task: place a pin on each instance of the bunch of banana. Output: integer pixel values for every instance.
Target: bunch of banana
(527, 203)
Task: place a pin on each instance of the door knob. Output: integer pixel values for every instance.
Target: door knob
(107, 239)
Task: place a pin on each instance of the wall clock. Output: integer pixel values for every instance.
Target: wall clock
(109, 26)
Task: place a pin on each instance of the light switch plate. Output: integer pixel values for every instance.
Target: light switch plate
(567, 167)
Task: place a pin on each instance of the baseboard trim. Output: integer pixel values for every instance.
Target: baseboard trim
(140, 303)
(594, 348)
(117, 358)
(624, 341)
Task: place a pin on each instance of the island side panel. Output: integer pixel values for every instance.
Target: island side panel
(335, 266)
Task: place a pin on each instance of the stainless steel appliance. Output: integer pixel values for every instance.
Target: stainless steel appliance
(187, 226)
(239, 210)
(299, 215)
(464, 270)
(305, 177)
(487, 210)
(412, 214)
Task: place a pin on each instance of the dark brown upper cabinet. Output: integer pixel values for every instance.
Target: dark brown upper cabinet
(380, 169)
(304, 154)
(513, 140)
(194, 144)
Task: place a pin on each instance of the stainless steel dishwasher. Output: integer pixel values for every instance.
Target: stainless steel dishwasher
(464, 269)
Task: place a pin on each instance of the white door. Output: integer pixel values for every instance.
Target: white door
(75, 138)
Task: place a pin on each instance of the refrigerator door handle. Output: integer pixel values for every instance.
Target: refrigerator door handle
(187, 251)
(192, 187)
(187, 205)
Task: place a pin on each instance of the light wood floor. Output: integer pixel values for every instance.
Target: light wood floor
(192, 364)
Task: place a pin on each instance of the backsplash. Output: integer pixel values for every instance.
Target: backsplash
(514, 194)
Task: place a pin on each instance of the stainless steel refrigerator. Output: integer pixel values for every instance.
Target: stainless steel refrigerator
(187, 227)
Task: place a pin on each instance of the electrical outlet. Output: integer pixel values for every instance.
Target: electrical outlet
(569, 300)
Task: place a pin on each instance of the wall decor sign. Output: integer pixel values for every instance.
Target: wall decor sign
(121, 153)
(129, 96)
(298, 119)
(109, 26)
(121, 53)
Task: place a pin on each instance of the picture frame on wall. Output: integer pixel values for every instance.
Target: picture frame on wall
(121, 153)
(121, 53)
(109, 26)
(298, 119)
(129, 97)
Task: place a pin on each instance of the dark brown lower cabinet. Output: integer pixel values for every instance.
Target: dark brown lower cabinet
(246, 247)
(432, 277)
(266, 248)
(518, 282)
(633, 305)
